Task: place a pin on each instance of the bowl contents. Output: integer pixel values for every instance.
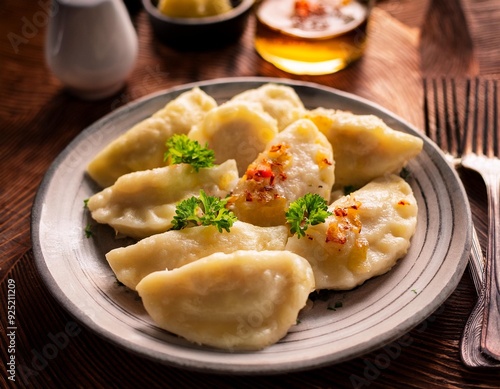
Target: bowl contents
(311, 36)
(193, 8)
(198, 25)
(238, 215)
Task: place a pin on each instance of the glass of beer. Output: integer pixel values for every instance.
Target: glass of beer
(311, 36)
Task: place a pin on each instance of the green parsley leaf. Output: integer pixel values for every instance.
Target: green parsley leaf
(310, 209)
(338, 304)
(204, 210)
(86, 203)
(181, 149)
(88, 231)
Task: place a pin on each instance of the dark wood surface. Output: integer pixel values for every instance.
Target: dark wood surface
(408, 39)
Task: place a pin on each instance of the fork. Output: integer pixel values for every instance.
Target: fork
(482, 155)
(443, 125)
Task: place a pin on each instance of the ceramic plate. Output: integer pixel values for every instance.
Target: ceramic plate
(372, 315)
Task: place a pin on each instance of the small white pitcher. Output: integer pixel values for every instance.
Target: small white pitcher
(91, 46)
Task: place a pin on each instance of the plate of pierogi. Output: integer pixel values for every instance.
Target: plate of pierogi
(251, 225)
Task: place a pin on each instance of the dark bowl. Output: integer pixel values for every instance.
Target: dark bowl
(199, 33)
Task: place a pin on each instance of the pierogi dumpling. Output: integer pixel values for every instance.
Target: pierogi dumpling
(279, 101)
(364, 146)
(297, 161)
(369, 230)
(236, 130)
(143, 203)
(173, 249)
(245, 300)
(143, 146)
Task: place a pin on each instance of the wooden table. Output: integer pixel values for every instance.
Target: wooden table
(408, 39)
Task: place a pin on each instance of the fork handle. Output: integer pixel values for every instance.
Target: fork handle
(476, 263)
(490, 334)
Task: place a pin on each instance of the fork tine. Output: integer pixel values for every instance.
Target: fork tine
(457, 133)
(486, 142)
(475, 123)
(431, 112)
(496, 135)
(469, 117)
(447, 125)
(437, 118)
(452, 122)
(467, 135)
(490, 120)
(427, 126)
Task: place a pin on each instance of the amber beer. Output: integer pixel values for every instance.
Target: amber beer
(311, 36)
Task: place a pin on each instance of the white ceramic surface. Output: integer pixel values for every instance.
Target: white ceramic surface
(91, 46)
(372, 315)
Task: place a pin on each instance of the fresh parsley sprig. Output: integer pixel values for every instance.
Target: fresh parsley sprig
(204, 210)
(308, 210)
(181, 149)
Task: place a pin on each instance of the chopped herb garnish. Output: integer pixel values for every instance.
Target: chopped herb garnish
(88, 231)
(204, 210)
(310, 209)
(414, 291)
(85, 203)
(338, 304)
(181, 149)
